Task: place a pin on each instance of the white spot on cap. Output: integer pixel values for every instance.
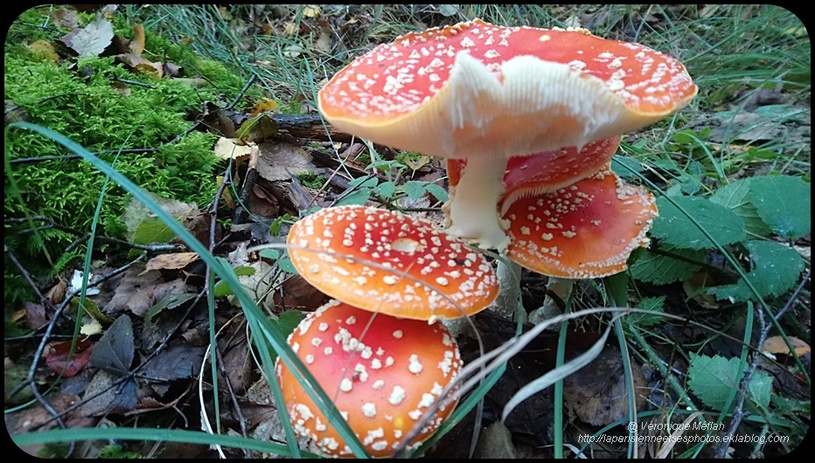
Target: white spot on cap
(415, 367)
(397, 395)
(369, 409)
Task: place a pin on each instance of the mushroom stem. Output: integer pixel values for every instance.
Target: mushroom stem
(473, 203)
(509, 296)
(562, 288)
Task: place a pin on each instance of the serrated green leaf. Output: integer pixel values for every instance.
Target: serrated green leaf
(676, 229)
(415, 189)
(437, 192)
(713, 378)
(734, 196)
(386, 189)
(662, 270)
(358, 197)
(653, 304)
(286, 266)
(776, 269)
(783, 202)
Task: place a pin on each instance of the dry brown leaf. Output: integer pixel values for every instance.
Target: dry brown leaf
(174, 261)
(231, 148)
(137, 45)
(278, 161)
(776, 345)
(46, 50)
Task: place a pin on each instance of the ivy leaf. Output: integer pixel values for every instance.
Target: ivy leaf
(660, 269)
(734, 196)
(676, 229)
(775, 270)
(712, 379)
(783, 202)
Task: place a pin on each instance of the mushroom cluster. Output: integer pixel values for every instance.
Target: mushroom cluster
(379, 348)
(487, 93)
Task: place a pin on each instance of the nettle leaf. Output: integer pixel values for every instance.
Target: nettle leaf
(386, 189)
(712, 379)
(734, 196)
(783, 202)
(776, 269)
(675, 228)
(653, 304)
(662, 270)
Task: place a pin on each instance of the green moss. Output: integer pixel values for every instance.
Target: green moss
(76, 99)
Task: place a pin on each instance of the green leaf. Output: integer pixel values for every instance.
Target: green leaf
(437, 192)
(415, 189)
(152, 230)
(625, 167)
(272, 254)
(734, 196)
(286, 266)
(170, 301)
(713, 378)
(783, 202)
(386, 189)
(676, 229)
(358, 197)
(776, 269)
(662, 270)
(653, 304)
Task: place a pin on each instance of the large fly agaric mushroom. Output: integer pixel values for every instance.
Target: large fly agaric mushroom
(389, 262)
(383, 372)
(483, 92)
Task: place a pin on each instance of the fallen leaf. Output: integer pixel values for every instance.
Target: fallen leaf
(92, 39)
(45, 50)
(57, 360)
(263, 105)
(172, 261)
(91, 328)
(279, 161)
(597, 394)
(231, 148)
(776, 345)
(114, 350)
(137, 44)
(107, 393)
(57, 292)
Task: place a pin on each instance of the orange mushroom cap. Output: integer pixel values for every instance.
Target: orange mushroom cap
(484, 92)
(383, 373)
(389, 262)
(585, 230)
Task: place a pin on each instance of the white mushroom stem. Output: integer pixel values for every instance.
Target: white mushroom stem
(474, 203)
(509, 297)
(562, 287)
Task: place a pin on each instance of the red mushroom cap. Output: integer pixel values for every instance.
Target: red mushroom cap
(383, 373)
(389, 262)
(585, 230)
(545, 171)
(484, 92)
(476, 89)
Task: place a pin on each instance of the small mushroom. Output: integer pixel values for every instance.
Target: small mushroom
(383, 373)
(584, 230)
(389, 262)
(485, 93)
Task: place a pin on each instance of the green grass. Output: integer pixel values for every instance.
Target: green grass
(735, 53)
